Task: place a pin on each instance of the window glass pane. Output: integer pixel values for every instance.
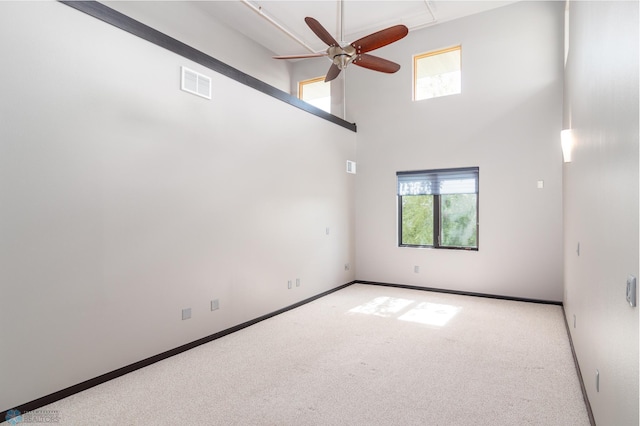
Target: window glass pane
(437, 74)
(417, 220)
(316, 92)
(458, 220)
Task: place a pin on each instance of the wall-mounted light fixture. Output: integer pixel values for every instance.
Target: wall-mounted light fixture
(566, 139)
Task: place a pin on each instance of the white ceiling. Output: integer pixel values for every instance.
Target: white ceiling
(279, 25)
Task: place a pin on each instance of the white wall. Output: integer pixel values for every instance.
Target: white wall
(601, 203)
(125, 200)
(507, 121)
(209, 35)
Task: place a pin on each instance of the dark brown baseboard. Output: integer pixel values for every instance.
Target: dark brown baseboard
(462, 293)
(592, 419)
(71, 390)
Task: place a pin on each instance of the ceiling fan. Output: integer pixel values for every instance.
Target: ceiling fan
(355, 52)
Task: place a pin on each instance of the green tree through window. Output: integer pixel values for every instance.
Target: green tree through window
(459, 218)
(417, 220)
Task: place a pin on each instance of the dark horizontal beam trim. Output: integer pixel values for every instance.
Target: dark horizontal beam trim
(463, 293)
(119, 20)
(64, 393)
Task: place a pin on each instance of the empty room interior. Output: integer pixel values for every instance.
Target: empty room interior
(166, 191)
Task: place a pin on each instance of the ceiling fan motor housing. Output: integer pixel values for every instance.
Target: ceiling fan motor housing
(342, 56)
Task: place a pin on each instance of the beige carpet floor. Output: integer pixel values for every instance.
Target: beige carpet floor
(364, 355)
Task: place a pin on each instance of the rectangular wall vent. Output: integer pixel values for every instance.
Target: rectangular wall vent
(196, 83)
(351, 167)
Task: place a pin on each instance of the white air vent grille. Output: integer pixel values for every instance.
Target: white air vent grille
(196, 83)
(351, 167)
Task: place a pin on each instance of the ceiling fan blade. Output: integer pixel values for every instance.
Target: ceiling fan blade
(333, 73)
(375, 63)
(319, 30)
(308, 55)
(380, 38)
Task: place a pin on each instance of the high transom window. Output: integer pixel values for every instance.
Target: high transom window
(437, 73)
(316, 92)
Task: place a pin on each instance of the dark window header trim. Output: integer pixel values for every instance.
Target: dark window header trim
(454, 169)
(130, 25)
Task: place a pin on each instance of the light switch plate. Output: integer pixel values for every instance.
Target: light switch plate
(186, 313)
(631, 290)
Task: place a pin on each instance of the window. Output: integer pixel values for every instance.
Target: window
(437, 74)
(316, 92)
(438, 208)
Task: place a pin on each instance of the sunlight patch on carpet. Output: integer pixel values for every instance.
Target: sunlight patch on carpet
(382, 306)
(423, 313)
(431, 314)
